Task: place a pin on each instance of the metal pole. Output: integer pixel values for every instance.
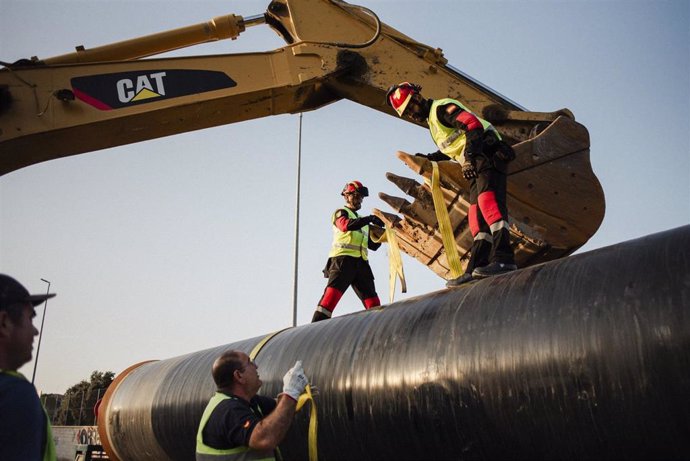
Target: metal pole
(299, 166)
(40, 334)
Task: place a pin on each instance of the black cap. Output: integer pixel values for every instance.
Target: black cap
(12, 292)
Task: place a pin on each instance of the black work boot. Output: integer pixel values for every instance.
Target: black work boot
(318, 316)
(464, 278)
(495, 268)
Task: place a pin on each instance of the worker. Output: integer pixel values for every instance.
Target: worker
(474, 143)
(348, 259)
(238, 424)
(25, 432)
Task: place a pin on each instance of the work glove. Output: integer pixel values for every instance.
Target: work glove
(295, 381)
(469, 171)
(375, 221)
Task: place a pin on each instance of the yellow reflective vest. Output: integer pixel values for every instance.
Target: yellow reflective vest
(450, 140)
(242, 453)
(351, 243)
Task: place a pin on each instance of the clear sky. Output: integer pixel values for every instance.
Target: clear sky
(179, 244)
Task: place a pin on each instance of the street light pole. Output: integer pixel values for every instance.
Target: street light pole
(40, 333)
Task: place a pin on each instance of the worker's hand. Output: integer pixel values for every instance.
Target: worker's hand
(376, 221)
(295, 381)
(469, 171)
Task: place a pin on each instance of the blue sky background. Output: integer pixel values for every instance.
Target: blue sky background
(183, 243)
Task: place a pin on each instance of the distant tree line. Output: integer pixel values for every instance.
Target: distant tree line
(76, 406)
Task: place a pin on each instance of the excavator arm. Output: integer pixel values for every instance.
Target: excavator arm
(109, 96)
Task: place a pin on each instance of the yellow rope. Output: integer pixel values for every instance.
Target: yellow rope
(313, 423)
(395, 264)
(262, 343)
(444, 225)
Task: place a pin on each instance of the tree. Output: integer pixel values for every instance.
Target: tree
(76, 407)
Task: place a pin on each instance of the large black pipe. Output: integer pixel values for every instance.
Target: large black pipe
(586, 357)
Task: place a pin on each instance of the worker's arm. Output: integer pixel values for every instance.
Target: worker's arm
(271, 430)
(437, 156)
(345, 224)
(455, 116)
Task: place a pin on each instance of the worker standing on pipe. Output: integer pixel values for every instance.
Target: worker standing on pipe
(25, 432)
(238, 424)
(348, 259)
(477, 146)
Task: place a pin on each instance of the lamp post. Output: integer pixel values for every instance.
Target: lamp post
(40, 333)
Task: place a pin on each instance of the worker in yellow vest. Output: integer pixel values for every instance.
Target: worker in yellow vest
(474, 143)
(348, 259)
(237, 423)
(25, 432)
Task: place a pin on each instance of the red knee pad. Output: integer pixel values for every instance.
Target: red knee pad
(489, 207)
(469, 120)
(330, 298)
(371, 302)
(473, 220)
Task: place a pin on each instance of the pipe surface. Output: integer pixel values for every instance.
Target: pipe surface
(586, 357)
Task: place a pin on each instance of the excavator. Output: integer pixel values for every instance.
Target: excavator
(110, 95)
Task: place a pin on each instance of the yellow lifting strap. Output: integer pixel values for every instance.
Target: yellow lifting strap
(313, 423)
(394, 262)
(304, 398)
(444, 225)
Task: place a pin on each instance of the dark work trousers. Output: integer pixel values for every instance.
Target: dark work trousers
(488, 207)
(344, 271)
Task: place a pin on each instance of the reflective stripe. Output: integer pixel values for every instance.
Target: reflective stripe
(484, 236)
(324, 311)
(348, 246)
(498, 225)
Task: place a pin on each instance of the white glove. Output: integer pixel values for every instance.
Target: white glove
(294, 381)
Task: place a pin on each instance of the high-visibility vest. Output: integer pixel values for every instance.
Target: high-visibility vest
(242, 453)
(49, 452)
(450, 140)
(350, 243)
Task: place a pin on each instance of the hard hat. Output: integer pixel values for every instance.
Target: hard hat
(399, 96)
(355, 186)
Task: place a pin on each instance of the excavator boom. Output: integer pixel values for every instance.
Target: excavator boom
(109, 96)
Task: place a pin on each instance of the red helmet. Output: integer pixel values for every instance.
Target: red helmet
(399, 96)
(355, 186)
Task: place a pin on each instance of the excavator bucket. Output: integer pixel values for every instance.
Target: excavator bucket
(555, 201)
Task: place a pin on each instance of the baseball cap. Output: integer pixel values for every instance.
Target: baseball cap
(12, 292)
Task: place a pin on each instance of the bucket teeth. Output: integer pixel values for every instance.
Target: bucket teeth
(398, 204)
(406, 185)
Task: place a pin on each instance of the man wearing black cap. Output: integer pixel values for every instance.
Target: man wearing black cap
(25, 432)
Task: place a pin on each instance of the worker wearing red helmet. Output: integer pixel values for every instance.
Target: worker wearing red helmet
(474, 143)
(348, 259)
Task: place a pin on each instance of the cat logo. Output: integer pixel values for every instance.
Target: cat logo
(125, 89)
(145, 87)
